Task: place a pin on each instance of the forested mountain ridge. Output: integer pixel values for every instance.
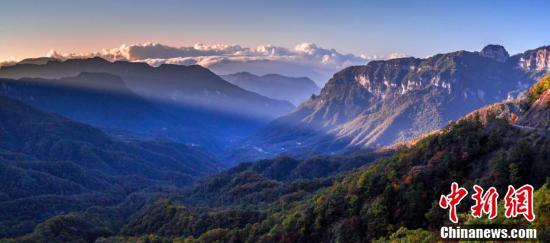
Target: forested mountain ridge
(51, 165)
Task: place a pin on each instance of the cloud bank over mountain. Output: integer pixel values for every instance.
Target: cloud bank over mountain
(305, 59)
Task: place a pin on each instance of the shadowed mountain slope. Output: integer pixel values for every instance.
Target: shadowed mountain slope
(50, 165)
(103, 100)
(177, 84)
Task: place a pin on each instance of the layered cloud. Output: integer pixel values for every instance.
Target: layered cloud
(304, 59)
(392, 55)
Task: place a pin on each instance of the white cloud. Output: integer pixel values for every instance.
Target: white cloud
(305, 59)
(392, 55)
(395, 55)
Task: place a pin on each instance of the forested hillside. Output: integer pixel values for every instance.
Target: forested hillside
(395, 197)
(50, 165)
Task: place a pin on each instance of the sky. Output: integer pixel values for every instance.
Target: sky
(416, 28)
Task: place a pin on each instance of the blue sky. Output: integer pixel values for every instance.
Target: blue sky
(418, 28)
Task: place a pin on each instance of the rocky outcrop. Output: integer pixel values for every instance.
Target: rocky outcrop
(395, 100)
(536, 62)
(495, 52)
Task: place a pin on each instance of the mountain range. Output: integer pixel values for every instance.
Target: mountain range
(295, 90)
(104, 101)
(188, 104)
(373, 105)
(98, 99)
(363, 198)
(390, 101)
(175, 84)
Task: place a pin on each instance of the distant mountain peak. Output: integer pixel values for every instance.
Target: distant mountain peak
(90, 60)
(276, 86)
(495, 52)
(275, 75)
(37, 61)
(244, 74)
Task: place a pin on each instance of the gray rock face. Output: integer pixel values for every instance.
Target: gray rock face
(385, 102)
(535, 61)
